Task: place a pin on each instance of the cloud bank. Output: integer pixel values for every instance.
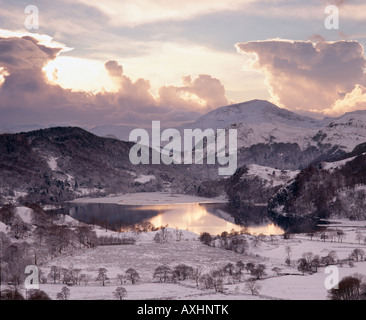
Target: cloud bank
(132, 13)
(27, 96)
(323, 77)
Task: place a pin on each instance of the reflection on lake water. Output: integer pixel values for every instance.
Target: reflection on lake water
(195, 217)
(200, 218)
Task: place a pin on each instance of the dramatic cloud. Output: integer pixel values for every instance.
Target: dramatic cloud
(306, 75)
(355, 100)
(133, 13)
(206, 91)
(114, 69)
(27, 96)
(25, 53)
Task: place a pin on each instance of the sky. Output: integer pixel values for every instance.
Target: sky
(131, 62)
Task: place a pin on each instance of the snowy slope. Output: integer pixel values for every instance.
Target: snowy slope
(347, 131)
(255, 112)
(144, 178)
(25, 214)
(271, 176)
(331, 166)
(261, 122)
(3, 227)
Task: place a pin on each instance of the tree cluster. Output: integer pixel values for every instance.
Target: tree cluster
(349, 288)
(233, 241)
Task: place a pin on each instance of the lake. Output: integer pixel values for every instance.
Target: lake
(212, 218)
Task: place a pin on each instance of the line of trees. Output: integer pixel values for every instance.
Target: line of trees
(49, 241)
(309, 263)
(73, 277)
(335, 235)
(214, 279)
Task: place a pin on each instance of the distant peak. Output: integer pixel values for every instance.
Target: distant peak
(256, 103)
(254, 112)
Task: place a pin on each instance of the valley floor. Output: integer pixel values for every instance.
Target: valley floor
(146, 255)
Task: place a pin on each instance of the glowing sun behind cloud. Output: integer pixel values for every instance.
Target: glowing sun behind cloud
(79, 74)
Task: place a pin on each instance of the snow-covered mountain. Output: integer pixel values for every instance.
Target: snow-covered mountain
(258, 122)
(275, 137)
(256, 184)
(326, 189)
(255, 112)
(347, 131)
(60, 164)
(261, 122)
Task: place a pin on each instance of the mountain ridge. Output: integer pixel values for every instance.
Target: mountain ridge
(255, 112)
(62, 163)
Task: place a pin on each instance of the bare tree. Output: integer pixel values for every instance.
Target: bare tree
(218, 280)
(359, 237)
(38, 295)
(11, 294)
(256, 240)
(277, 270)
(121, 279)
(340, 235)
(120, 293)
(329, 259)
(238, 244)
(288, 250)
(4, 242)
(178, 234)
(102, 276)
(7, 213)
(64, 294)
(207, 281)
(348, 289)
(55, 274)
(324, 236)
(15, 259)
(19, 228)
(197, 272)
(311, 235)
(249, 267)
(240, 266)
(84, 279)
(38, 252)
(259, 271)
(162, 236)
(163, 273)
(183, 272)
(357, 254)
(315, 263)
(86, 236)
(38, 215)
(303, 266)
(253, 286)
(132, 275)
(206, 238)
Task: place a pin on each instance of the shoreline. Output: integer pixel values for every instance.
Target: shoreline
(150, 198)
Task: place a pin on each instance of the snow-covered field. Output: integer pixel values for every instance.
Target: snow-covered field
(146, 255)
(281, 280)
